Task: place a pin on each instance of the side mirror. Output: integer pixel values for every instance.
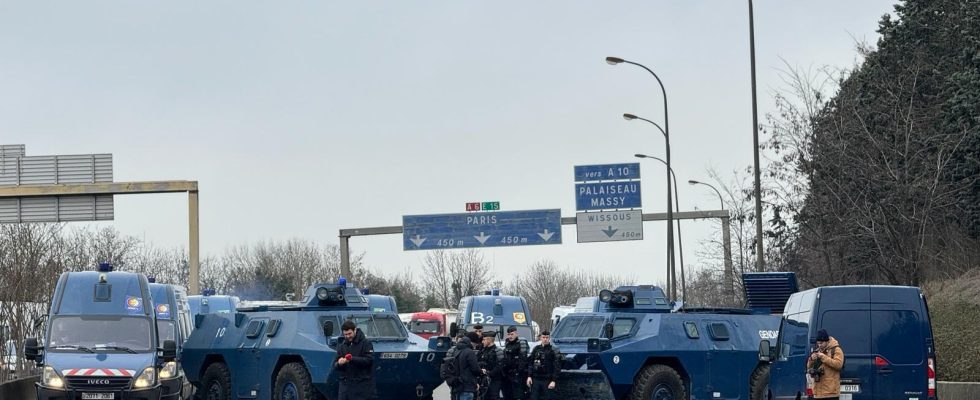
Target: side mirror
(198, 320)
(453, 330)
(328, 328)
(607, 330)
(169, 350)
(332, 342)
(31, 350)
(765, 351)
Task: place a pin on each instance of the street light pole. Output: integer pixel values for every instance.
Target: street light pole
(726, 244)
(670, 208)
(680, 236)
(760, 260)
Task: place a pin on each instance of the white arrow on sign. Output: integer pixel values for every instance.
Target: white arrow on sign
(482, 238)
(610, 231)
(545, 235)
(418, 240)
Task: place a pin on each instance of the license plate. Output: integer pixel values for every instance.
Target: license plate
(845, 396)
(850, 388)
(98, 396)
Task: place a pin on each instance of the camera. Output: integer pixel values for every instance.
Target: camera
(816, 369)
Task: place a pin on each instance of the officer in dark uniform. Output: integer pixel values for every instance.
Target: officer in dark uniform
(355, 361)
(544, 364)
(514, 369)
(491, 362)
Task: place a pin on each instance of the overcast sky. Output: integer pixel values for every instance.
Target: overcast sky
(302, 118)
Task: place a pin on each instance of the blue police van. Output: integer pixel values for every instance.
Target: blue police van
(173, 323)
(495, 312)
(100, 340)
(884, 332)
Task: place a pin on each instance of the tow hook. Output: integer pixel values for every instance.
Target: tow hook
(418, 390)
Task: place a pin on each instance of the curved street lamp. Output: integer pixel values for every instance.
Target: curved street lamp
(726, 243)
(680, 236)
(670, 208)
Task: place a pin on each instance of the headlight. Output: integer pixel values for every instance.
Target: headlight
(51, 379)
(146, 379)
(169, 370)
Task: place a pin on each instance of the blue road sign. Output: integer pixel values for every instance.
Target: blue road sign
(607, 195)
(485, 229)
(607, 172)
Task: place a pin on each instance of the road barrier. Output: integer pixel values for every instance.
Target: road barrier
(20, 389)
(959, 390)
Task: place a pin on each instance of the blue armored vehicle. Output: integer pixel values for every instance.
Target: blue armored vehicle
(174, 323)
(634, 347)
(208, 302)
(287, 351)
(101, 339)
(495, 312)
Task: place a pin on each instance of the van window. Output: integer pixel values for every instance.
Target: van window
(851, 328)
(692, 330)
(897, 336)
(718, 331)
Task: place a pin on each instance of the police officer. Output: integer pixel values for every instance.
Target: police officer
(355, 360)
(491, 362)
(515, 366)
(544, 366)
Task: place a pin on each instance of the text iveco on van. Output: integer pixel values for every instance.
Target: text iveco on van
(884, 332)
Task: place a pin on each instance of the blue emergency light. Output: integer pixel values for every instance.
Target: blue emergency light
(342, 281)
(152, 279)
(105, 267)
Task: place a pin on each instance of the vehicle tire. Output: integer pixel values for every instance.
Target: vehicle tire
(216, 383)
(294, 383)
(658, 382)
(759, 383)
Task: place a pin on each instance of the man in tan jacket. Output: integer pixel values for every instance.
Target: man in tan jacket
(824, 367)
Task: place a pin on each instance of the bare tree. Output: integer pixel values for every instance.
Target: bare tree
(545, 286)
(450, 275)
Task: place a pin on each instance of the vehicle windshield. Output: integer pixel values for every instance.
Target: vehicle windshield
(424, 327)
(379, 326)
(523, 331)
(584, 326)
(106, 331)
(167, 330)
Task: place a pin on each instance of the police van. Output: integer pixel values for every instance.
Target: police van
(884, 332)
(100, 340)
(174, 323)
(495, 312)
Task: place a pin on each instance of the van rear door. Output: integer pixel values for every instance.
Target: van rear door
(898, 330)
(843, 312)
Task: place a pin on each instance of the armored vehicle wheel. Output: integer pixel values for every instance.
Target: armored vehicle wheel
(217, 383)
(294, 383)
(759, 383)
(658, 382)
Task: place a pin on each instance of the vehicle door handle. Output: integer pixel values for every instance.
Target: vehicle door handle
(885, 371)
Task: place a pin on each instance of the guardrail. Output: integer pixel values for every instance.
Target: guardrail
(20, 389)
(959, 390)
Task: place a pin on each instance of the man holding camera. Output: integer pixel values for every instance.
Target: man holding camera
(824, 367)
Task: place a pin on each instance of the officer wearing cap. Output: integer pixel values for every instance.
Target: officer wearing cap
(515, 366)
(491, 362)
(544, 366)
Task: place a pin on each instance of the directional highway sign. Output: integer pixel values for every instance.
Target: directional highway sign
(609, 226)
(607, 172)
(607, 195)
(485, 229)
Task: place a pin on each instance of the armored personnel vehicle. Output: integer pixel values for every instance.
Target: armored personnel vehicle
(634, 347)
(287, 352)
